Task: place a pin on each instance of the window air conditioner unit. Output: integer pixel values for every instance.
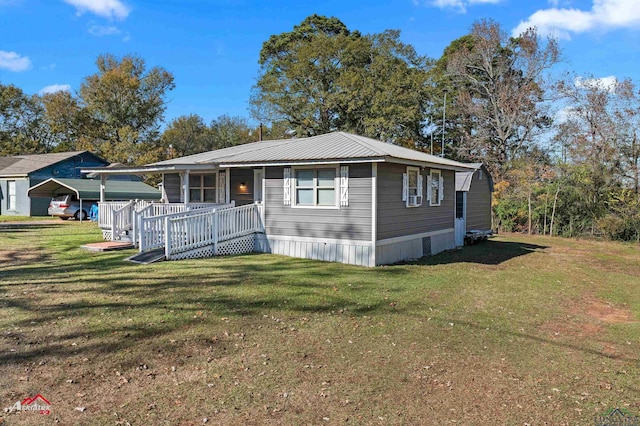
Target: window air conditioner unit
(413, 200)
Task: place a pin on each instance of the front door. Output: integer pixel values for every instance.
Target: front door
(461, 214)
(258, 178)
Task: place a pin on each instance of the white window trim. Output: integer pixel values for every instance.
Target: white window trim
(336, 187)
(201, 186)
(419, 188)
(12, 196)
(432, 202)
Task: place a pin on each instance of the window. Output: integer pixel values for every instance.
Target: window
(202, 188)
(11, 192)
(412, 187)
(459, 205)
(435, 188)
(315, 187)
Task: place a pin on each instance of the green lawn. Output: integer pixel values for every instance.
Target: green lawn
(516, 330)
(4, 219)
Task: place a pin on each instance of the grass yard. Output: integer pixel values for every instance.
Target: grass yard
(515, 330)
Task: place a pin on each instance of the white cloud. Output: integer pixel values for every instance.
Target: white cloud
(604, 15)
(101, 30)
(55, 88)
(460, 5)
(605, 83)
(105, 8)
(14, 62)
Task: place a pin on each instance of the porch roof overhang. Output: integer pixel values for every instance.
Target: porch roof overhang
(177, 168)
(88, 189)
(150, 169)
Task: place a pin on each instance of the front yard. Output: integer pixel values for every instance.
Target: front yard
(516, 330)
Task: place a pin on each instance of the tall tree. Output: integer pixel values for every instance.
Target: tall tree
(498, 87)
(322, 77)
(23, 129)
(228, 131)
(186, 135)
(124, 104)
(299, 74)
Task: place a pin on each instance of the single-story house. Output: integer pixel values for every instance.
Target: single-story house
(474, 189)
(20, 172)
(333, 197)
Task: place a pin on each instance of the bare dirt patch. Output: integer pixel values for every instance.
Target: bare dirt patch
(603, 311)
(19, 257)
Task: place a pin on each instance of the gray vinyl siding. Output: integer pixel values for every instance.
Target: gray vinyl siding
(171, 182)
(23, 203)
(479, 203)
(395, 219)
(352, 222)
(240, 196)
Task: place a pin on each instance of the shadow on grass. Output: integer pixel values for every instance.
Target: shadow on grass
(539, 340)
(489, 252)
(81, 287)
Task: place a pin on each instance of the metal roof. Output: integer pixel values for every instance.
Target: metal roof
(22, 165)
(328, 147)
(89, 189)
(463, 179)
(331, 147)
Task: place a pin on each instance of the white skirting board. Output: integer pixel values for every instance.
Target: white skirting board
(359, 253)
(350, 252)
(414, 248)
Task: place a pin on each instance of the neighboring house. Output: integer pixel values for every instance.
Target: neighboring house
(473, 203)
(20, 172)
(333, 197)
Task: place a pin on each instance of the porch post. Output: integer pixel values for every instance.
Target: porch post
(185, 186)
(227, 190)
(103, 183)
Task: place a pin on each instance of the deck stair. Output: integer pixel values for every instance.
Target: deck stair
(146, 257)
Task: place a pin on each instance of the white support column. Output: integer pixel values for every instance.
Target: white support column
(185, 186)
(374, 211)
(103, 184)
(228, 183)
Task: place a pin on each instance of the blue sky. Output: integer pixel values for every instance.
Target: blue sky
(212, 47)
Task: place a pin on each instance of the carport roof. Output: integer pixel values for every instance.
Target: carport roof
(89, 189)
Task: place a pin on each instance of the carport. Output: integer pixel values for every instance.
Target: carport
(89, 190)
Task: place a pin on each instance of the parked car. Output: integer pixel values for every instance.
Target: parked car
(68, 206)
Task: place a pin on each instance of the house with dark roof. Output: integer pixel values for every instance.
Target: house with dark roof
(20, 172)
(335, 197)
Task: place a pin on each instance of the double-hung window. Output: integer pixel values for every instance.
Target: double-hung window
(315, 187)
(11, 195)
(412, 187)
(435, 188)
(202, 188)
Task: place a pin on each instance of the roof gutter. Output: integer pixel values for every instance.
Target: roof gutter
(460, 168)
(149, 169)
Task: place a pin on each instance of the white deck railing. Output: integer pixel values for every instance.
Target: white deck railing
(183, 233)
(150, 228)
(105, 212)
(137, 210)
(121, 220)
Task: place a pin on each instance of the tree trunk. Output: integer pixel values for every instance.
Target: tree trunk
(546, 202)
(529, 220)
(553, 210)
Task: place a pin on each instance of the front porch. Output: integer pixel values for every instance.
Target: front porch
(183, 230)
